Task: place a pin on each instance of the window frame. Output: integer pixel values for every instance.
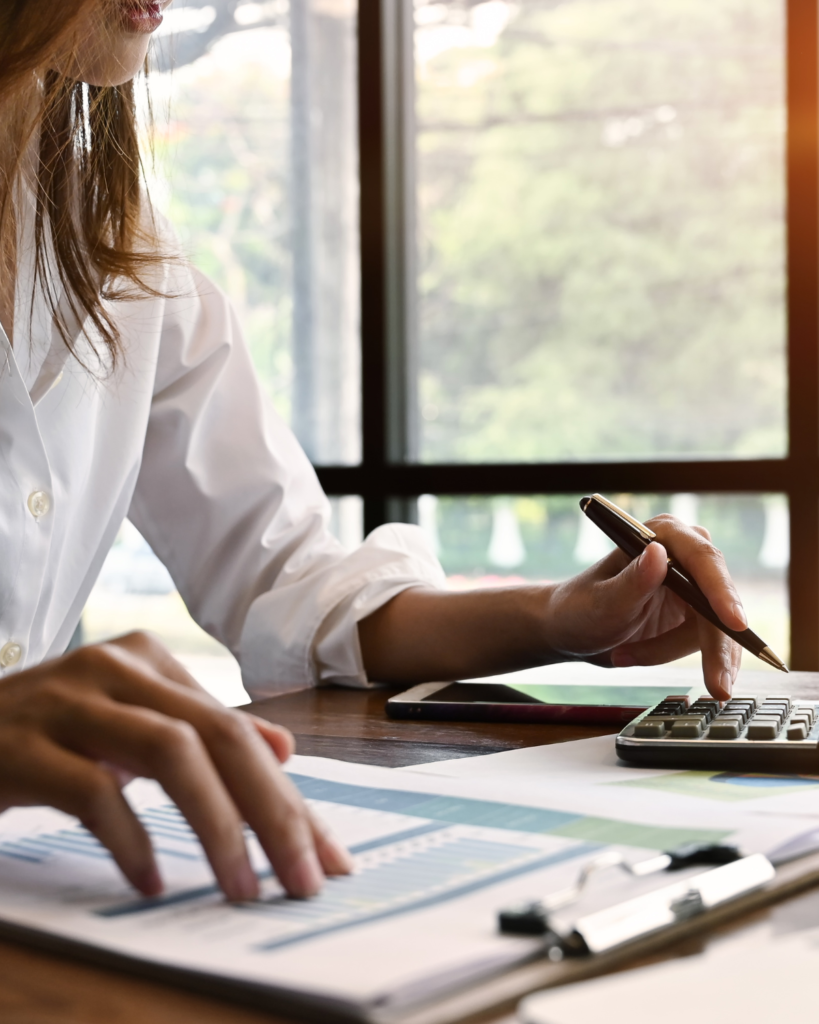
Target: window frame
(387, 476)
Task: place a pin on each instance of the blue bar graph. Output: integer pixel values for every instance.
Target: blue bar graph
(409, 870)
(427, 874)
(170, 833)
(454, 810)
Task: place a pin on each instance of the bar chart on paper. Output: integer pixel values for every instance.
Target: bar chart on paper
(415, 867)
(427, 849)
(434, 860)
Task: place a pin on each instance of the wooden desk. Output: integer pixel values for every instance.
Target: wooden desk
(39, 988)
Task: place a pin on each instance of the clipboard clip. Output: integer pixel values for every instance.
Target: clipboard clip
(624, 922)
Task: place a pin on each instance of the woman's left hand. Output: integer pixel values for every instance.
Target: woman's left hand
(619, 613)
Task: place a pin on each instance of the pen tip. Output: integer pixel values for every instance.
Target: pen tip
(772, 659)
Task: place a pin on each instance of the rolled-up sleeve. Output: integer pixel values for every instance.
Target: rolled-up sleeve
(229, 502)
(324, 608)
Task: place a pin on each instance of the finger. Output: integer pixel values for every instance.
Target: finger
(169, 750)
(279, 739)
(141, 649)
(265, 797)
(268, 800)
(146, 647)
(719, 662)
(669, 646)
(702, 560)
(45, 774)
(334, 856)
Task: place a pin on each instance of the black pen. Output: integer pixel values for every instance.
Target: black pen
(633, 537)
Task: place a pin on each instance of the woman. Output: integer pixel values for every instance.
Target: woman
(126, 389)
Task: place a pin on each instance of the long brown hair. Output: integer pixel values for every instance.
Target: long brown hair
(87, 175)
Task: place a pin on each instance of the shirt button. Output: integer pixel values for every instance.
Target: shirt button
(10, 654)
(38, 503)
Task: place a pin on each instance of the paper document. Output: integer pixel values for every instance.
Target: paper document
(435, 861)
(587, 775)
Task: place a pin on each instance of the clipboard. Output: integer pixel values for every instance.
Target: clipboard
(501, 994)
(632, 918)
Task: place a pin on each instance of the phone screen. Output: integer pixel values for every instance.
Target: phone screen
(573, 695)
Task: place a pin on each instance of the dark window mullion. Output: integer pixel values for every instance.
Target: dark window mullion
(372, 174)
(803, 328)
(737, 475)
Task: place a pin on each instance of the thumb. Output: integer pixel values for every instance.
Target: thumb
(640, 580)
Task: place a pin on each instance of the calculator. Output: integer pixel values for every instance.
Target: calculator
(748, 734)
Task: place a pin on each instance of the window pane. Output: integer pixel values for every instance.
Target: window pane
(600, 229)
(257, 168)
(501, 540)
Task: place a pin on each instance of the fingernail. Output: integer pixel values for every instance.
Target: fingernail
(726, 683)
(245, 883)
(341, 862)
(306, 876)
(739, 611)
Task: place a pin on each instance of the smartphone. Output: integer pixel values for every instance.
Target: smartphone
(492, 701)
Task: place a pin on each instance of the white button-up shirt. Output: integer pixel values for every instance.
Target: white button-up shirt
(180, 438)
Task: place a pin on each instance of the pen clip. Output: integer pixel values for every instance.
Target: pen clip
(641, 528)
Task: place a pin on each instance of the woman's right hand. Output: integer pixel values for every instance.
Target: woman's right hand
(73, 729)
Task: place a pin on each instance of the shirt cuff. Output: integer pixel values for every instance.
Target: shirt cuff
(307, 633)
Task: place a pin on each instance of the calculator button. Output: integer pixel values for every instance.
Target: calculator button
(652, 728)
(738, 709)
(690, 727)
(707, 712)
(678, 698)
(799, 731)
(764, 728)
(724, 730)
(738, 719)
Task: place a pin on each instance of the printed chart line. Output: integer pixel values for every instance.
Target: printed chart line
(143, 905)
(422, 902)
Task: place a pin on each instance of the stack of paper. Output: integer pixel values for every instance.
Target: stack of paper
(436, 859)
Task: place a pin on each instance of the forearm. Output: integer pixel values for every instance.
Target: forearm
(424, 635)
(615, 613)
